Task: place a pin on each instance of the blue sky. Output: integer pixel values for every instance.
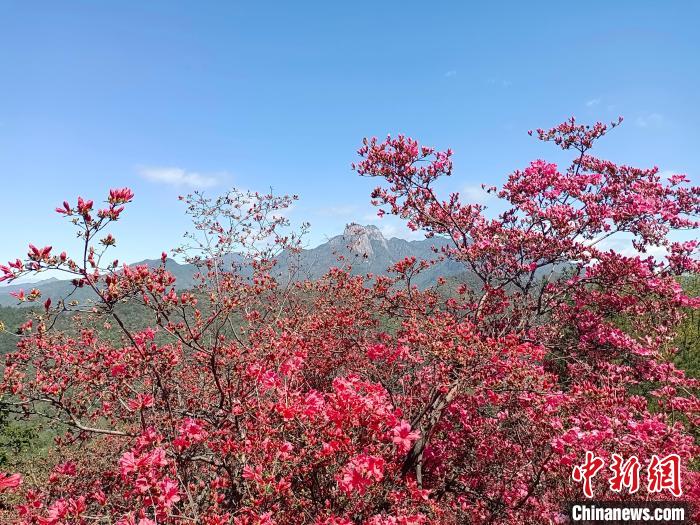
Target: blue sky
(96, 95)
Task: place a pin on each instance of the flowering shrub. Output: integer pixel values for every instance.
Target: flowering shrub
(260, 399)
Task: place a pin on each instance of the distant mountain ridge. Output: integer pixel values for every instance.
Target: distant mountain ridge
(364, 248)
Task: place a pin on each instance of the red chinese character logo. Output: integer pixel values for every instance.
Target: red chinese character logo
(625, 474)
(587, 471)
(665, 474)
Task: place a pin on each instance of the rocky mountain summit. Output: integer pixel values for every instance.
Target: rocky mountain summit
(359, 239)
(366, 250)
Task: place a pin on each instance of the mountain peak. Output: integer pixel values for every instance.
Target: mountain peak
(359, 238)
(354, 229)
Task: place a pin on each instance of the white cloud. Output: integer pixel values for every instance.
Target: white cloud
(401, 231)
(475, 194)
(451, 73)
(178, 177)
(622, 244)
(649, 120)
(593, 102)
(391, 226)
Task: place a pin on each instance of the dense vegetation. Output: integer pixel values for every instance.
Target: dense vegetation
(353, 399)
